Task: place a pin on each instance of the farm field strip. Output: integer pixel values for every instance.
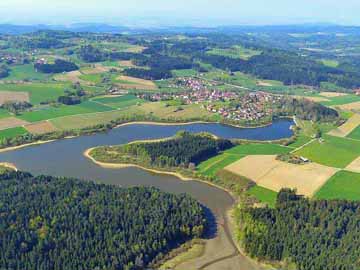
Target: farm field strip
(12, 132)
(272, 174)
(41, 128)
(11, 122)
(51, 113)
(343, 185)
(331, 151)
(347, 128)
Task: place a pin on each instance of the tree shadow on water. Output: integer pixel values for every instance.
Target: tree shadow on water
(212, 224)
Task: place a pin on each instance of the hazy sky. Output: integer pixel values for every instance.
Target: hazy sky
(212, 12)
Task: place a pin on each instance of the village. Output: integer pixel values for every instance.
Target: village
(231, 105)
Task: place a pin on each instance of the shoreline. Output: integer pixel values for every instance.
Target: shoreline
(9, 165)
(154, 123)
(228, 215)
(176, 174)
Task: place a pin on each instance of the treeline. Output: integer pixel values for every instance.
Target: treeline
(185, 150)
(58, 67)
(289, 68)
(308, 233)
(305, 109)
(92, 54)
(148, 74)
(61, 223)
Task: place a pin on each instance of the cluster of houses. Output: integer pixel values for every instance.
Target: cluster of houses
(250, 107)
(230, 105)
(10, 59)
(191, 83)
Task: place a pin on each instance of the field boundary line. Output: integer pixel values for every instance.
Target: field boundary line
(301, 147)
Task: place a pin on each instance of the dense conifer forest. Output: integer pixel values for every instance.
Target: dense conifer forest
(58, 223)
(312, 234)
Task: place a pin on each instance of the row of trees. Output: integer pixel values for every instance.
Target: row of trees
(308, 233)
(59, 223)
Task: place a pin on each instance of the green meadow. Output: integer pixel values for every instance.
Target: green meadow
(39, 92)
(120, 101)
(259, 149)
(343, 185)
(12, 132)
(25, 72)
(215, 164)
(355, 134)
(4, 113)
(264, 195)
(335, 101)
(63, 110)
(235, 52)
(333, 151)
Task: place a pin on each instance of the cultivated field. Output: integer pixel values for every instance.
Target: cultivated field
(73, 76)
(39, 92)
(125, 63)
(96, 69)
(127, 82)
(313, 98)
(119, 102)
(11, 122)
(90, 119)
(63, 110)
(333, 151)
(160, 110)
(355, 134)
(347, 128)
(264, 195)
(332, 94)
(12, 132)
(272, 174)
(40, 128)
(6, 96)
(354, 106)
(354, 166)
(341, 100)
(343, 185)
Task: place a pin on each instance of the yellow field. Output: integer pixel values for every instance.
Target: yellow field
(41, 128)
(72, 76)
(6, 96)
(96, 69)
(346, 128)
(11, 122)
(332, 94)
(272, 174)
(354, 106)
(354, 166)
(126, 63)
(315, 99)
(135, 83)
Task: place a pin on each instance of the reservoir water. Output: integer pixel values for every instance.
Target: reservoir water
(65, 158)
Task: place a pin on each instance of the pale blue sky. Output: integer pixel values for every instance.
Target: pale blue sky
(182, 12)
